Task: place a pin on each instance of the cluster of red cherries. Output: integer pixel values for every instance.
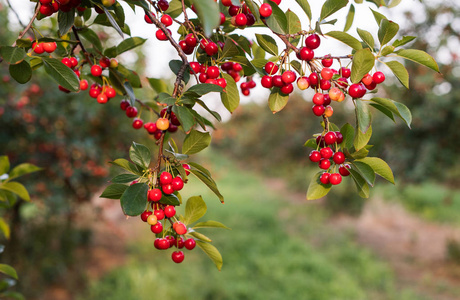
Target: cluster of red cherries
(49, 7)
(324, 154)
(173, 236)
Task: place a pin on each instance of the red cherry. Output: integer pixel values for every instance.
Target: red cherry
(324, 84)
(265, 10)
(241, 20)
(287, 89)
(167, 189)
(74, 62)
(318, 99)
(326, 152)
(335, 178)
(318, 110)
(177, 184)
(154, 195)
(157, 228)
(165, 178)
(38, 47)
(166, 20)
(147, 19)
(330, 138)
(83, 85)
(124, 104)
(104, 62)
(343, 170)
(96, 70)
(131, 112)
(339, 137)
(277, 81)
(266, 82)
(271, 68)
(211, 48)
(306, 53)
(345, 72)
(327, 99)
(356, 90)
(237, 67)
(163, 4)
(327, 62)
(189, 244)
(145, 215)
(324, 178)
(180, 228)
(314, 79)
(378, 77)
(190, 40)
(110, 92)
(339, 158)
(195, 66)
(66, 61)
(327, 73)
(137, 123)
(186, 167)
(315, 156)
(159, 213)
(222, 19)
(177, 257)
(49, 47)
(233, 10)
(213, 72)
(222, 82)
(277, 1)
(324, 163)
(312, 41)
(160, 35)
(163, 244)
(102, 98)
(288, 77)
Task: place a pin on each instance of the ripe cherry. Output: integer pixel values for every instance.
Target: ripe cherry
(378, 77)
(166, 20)
(326, 74)
(339, 158)
(271, 68)
(343, 170)
(356, 90)
(83, 85)
(335, 178)
(147, 19)
(124, 104)
(38, 48)
(306, 53)
(233, 10)
(157, 228)
(189, 244)
(315, 156)
(324, 164)
(180, 243)
(131, 112)
(104, 62)
(145, 215)
(314, 79)
(163, 4)
(288, 77)
(318, 99)
(177, 256)
(330, 138)
(74, 62)
(137, 123)
(277, 81)
(367, 79)
(327, 62)
(49, 47)
(165, 178)
(177, 184)
(170, 211)
(159, 213)
(187, 168)
(221, 82)
(213, 72)
(66, 61)
(324, 178)
(102, 98)
(241, 20)
(345, 72)
(96, 70)
(326, 152)
(318, 110)
(110, 92)
(339, 137)
(287, 89)
(180, 228)
(154, 195)
(265, 10)
(312, 41)
(211, 48)
(167, 189)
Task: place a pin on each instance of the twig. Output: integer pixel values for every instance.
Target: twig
(21, 35)
(77, 37)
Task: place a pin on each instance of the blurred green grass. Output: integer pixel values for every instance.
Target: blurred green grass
(277, 249)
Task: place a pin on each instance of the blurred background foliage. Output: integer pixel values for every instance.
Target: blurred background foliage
(72, 138)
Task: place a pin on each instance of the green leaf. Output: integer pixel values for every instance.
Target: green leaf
(210, 183)
(65, 21)
(195, 142)
(134, 199)
(277, 21)
(380, 167)
(363, 62)
(23, 43)
(362, 153)
(403, 41)
(112, 21)
(170, 200)
(204, 88)
(363, 115)
(348, 133)
(129, 44)
(124, 178)
(140, 155)
(387, 31)
(4, 164)
(384, 110)
(316, 189)
(174, 9)
(397, 108)
(23, 169)
(231, 97)
(267, 43)
(361, 139)
(420, 57)
(5, 228)
(115, 190)
(230, 49)
(119, 12)
(129, 92)
(212, 252)
(128, 166)
(213, 113)
(12, 55)
(346, 39)
(200, 168)
(252, 7)
(185, 117)
(210, 224)
(199, 236)
(208, 13)
(62, 74)
(277, 100)
(367, 38)
(378, 16)
(21, 72)
(294, 26)
(365, 171)
(387, 50)
(176, 65)
(92, 38)
(399, 71)
(350, 18)
(330, 7)
(306, 7)
(195, 208)
(311, 143)
(158, 85)
(361, 184)
(8, 270)
(16, 188)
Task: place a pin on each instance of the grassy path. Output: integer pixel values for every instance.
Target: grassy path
(276, 250)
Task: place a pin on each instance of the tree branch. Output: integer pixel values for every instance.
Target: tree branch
(77, 37)
(21, 35)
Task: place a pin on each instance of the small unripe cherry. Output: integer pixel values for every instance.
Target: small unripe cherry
(328, 111)
(335, 178)
(324, 178)
(334, 93)
(96, 70)
(152, 219)
(315, 156)
(339, 158)
(378, 77)
(303, 83)
(113, 63)
(162, 124)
